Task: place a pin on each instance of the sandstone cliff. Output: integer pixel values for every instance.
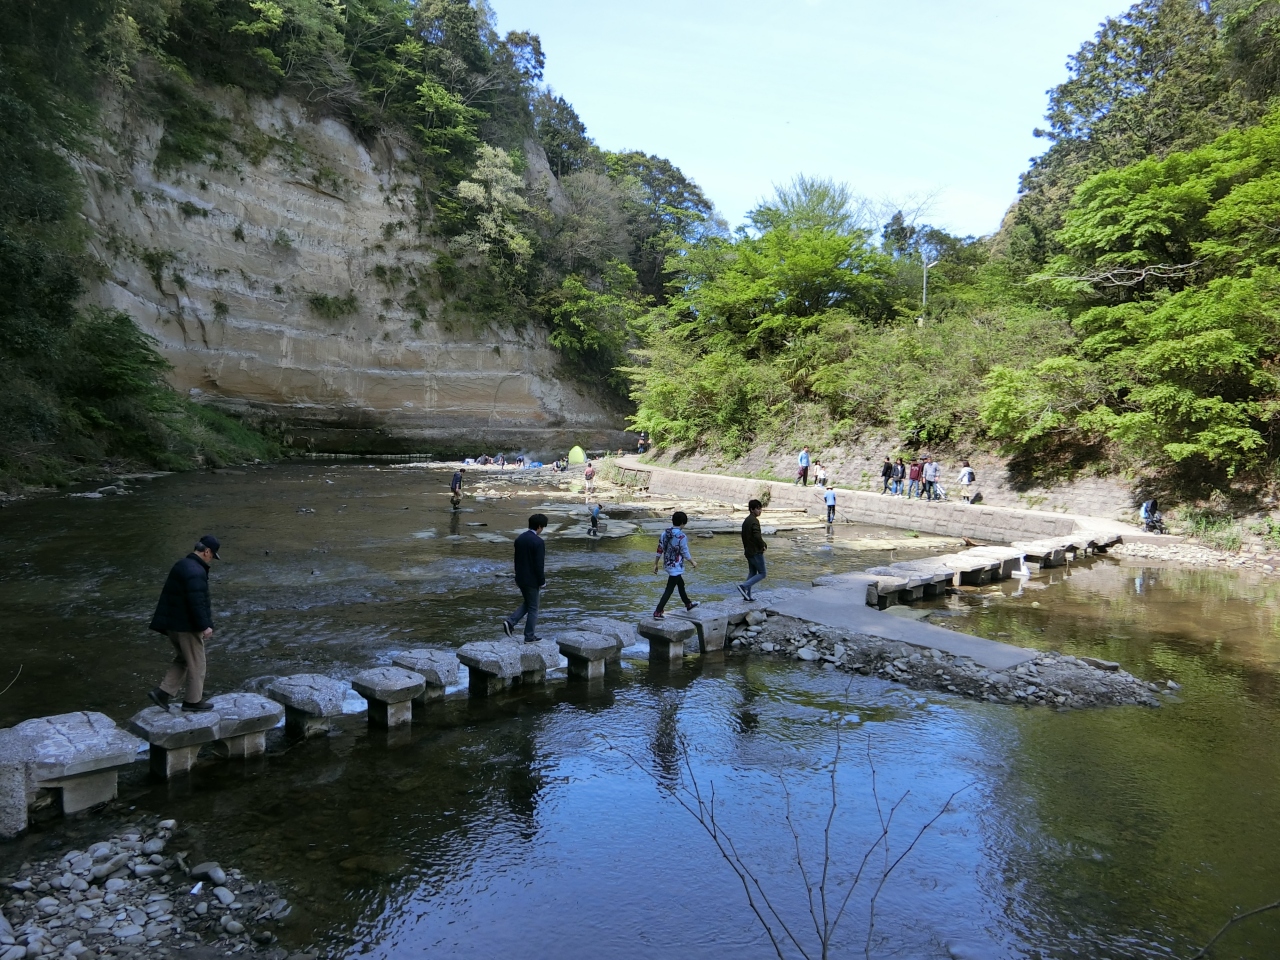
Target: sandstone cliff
(288, 280)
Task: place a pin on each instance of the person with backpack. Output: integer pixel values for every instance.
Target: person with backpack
(589, 475)
(753, 546)
(966, 479)
(673, 551)
(899, 474)
(886, 474)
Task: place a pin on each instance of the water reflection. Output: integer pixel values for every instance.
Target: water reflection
(514, 825)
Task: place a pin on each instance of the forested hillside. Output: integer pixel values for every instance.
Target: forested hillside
(1124, 315)
(431, 81)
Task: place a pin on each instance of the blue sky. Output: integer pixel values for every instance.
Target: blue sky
(899, 99)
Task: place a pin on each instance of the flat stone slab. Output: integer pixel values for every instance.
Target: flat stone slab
(619, 631)
(833, 607)
(495, 657)
(245, 713)
(170, 731)
(539, 656)
(70, 744)
(310, 693)
(587, 646)
(388, 684)
(669, 631)
(437, 667)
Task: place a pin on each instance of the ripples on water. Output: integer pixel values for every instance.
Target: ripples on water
(520, 827)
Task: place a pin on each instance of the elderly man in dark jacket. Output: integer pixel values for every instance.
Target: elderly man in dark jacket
(185, 615)
(531, 553)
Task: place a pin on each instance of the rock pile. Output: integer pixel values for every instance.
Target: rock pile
(128, 896)
(1053, 679)
(1197, 555)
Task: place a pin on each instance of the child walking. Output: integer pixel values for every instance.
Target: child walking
(673, 551)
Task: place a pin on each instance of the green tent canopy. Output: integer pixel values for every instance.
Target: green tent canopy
(577, 455)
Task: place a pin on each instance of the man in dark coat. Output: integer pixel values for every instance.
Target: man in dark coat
(184, 614)
(531, 552)
(753, 546)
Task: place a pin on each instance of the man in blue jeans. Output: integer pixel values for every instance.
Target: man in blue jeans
(802, 473)
(753, 546)
(531, 552)
(829, 498)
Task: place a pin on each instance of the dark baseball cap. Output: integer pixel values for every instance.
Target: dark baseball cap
(210, 542)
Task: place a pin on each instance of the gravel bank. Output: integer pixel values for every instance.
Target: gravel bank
(1195, 555)
(131, 896)
(1051, 680)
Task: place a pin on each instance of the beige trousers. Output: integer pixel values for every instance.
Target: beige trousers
(187, 668)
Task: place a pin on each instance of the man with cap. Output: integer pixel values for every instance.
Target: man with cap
(185, 615)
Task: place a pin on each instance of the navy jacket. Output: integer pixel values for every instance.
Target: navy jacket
(184, 601)
(531, 551)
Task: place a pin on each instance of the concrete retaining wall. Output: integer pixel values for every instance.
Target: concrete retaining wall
(948, 518)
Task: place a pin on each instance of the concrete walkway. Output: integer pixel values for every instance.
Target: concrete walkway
(847, 610)
(948, 518)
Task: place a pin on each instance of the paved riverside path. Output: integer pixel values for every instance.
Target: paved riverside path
(848, 610)
(947, 518)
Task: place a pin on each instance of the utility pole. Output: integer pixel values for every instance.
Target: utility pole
(924, 296)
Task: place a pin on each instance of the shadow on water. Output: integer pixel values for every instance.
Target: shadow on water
(519, 825)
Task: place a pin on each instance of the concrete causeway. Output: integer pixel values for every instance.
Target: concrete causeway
(845, 609)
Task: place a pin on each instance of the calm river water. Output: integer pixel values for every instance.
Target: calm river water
(533, 825)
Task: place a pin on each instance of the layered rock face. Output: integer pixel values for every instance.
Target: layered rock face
(289, 280)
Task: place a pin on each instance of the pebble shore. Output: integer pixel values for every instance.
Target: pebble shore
(1195, 555)
(131, 896)
(1050, 680)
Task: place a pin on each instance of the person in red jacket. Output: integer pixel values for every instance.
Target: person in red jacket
(914, 484)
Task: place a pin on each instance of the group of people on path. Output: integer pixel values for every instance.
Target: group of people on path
(923, 479)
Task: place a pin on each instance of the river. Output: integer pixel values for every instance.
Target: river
(535, 824)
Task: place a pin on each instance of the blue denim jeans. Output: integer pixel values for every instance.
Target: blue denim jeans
(755, 571)
(528, 607)
(913, 488)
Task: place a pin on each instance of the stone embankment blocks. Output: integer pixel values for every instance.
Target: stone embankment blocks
(310, 700)
(667, 638)
(243, 722)
(390, 692)
(587, 654)
(175, 738)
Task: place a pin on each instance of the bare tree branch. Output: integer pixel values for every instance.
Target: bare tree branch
(1131, 277)
(13, 681)
(1204, 951)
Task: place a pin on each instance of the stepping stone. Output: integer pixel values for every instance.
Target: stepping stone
(712, 627)
(13, 785)
(245, 720)
(311, 701)
(76, 753)
(586, 653)
(175, 738)
(1047, 553)
(438, 669)
(536, 659)
(390, 692)
(1009, 558)
(667, 638)
(621, 632)
(491, 665)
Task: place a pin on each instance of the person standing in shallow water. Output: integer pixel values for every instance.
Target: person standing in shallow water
(673, 551)
(531, 554)
(455, 488)
(185, 615)
(753, 546)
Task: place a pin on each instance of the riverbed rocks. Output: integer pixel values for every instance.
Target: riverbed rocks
(1051, 679)
(146, 906)
(1198, 555)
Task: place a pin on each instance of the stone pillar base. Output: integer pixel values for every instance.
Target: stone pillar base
(538, 675)
(13, 787)
(246, 745)
(84, 791)
(383, 714)
(481, 684)
(580, 668)
(174, 761)
(299, 723)
(668, 650)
